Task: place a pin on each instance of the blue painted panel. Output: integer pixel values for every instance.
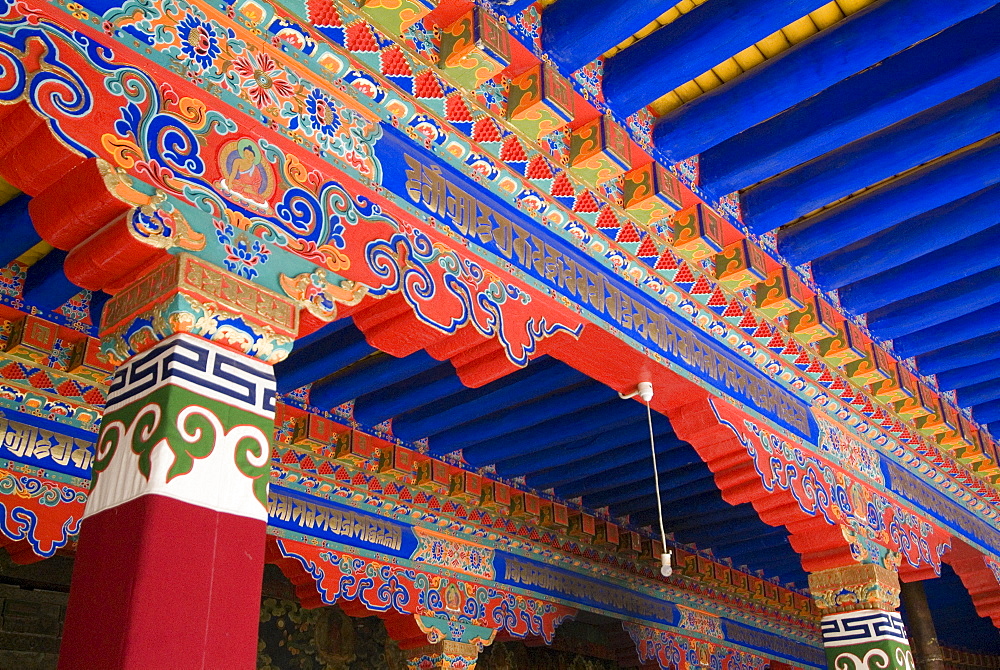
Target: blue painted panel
(986, 348)
(770, 643)
(510, 7)
(374, 408)
(329, 520)
(506, 397)
(949, 64)
(804, 71)
(321, 358)
(949, 380)
(47, 444)
(543, 578)
(687, 47)
(976, 394)
(936, 306)
(98, 300)
(575, 32)
(956, 261)
(878, 209)
(46, 285)
(368, 375)
(532, 248)
(936, 132)
(909, 240)
(18, 232)
(585, 423)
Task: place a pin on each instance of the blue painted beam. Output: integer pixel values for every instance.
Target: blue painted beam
(373, 408)
(600, 448)
(977, 394)
(578, 425)
(529, 387)
(322, 332)
(498, 424)
(687, 47)
(924, 137)
(987, 412)
(803, 71)
(763, 543)
(694, 501)
(955, 261)
(624, 455)
(574, 454)
(18, 232)
(936, 306)
(738, 519)
(321, 358)
(957, 60)
(909, 196)
(908, 240)
(575, 32)
(692, 481)
(46, 285)
(963, 354)
(731, 533)
(368, 375)
(638, 474)
(949, 380)
(966, 327)
(544, 365)
(98, 299)
(676, 513)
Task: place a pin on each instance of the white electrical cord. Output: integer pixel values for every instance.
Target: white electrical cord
(645, 392)
(665, 569)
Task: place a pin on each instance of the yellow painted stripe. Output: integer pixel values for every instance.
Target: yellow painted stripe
(798, 31)
(681, 8)
(35, 254)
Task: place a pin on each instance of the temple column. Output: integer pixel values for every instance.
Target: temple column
(926, 650)
(170, 558)
(444, 655)
(861, 628)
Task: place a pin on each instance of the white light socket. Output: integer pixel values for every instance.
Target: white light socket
(665, 569)
(646, 391)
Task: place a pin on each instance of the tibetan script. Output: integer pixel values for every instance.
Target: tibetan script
(22, 442)
(344, 523)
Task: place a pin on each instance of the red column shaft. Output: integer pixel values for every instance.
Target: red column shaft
(160, 583)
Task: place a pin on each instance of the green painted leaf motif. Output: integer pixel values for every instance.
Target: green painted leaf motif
(198, 432)
(252, 446)
(145, 436)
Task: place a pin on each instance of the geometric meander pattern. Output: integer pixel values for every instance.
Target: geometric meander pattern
(862, 627)
(199, 366)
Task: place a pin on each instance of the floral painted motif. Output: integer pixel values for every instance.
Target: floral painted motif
(199, 39)
(243, 253)
(263, 81)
